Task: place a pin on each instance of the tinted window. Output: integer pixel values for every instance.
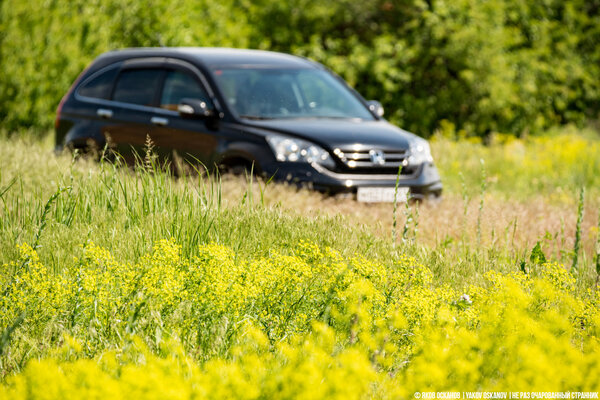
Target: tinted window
(137, 86)
(179, 85)
(100, 85)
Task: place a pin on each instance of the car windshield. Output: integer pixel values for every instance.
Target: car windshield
(264, 93)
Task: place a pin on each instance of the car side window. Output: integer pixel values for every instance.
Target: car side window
(99, 86)
(179, 85)
(137, 86)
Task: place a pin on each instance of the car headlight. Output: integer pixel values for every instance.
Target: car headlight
(420, 152)
(297, 150)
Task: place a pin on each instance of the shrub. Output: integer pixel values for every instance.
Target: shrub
(494, 66)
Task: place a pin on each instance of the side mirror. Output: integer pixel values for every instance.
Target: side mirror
(375, 107)
(194, 108)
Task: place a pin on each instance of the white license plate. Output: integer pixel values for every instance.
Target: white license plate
(381, 194)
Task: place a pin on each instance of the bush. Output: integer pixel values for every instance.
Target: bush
(495, 66)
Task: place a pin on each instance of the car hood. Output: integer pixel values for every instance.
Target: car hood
(343, 134)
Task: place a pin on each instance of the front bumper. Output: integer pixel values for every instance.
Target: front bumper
(424, 182)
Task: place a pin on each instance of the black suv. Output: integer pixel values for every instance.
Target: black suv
(289, 117)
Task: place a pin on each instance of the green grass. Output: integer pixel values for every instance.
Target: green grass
(58, 204)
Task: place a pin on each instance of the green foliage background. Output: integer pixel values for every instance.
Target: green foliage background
(484, 66)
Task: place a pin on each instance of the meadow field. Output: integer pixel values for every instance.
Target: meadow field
(128, 282)
(131, 283)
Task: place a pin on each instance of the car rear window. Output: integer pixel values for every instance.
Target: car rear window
(100, 85)
(137, 86)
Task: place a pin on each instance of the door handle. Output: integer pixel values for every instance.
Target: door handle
(104, 113)
(159, 121)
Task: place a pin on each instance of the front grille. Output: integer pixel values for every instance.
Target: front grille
(374, 161)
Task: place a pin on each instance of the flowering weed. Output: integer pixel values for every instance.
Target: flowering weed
(221, 326)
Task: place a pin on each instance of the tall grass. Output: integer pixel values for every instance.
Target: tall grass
(57, 204)
(577, 246)
(127, 210)
(483, 187)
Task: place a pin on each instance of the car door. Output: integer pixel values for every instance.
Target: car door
(185, 139)
(83, 120)
(132, 109)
